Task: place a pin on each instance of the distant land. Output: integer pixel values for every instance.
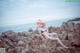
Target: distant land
(76, 19)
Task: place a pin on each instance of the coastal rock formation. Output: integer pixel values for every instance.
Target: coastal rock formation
(31, 42)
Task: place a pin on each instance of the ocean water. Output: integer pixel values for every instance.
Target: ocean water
(25, 27)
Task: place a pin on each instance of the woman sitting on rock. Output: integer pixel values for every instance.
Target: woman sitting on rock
(43, 31)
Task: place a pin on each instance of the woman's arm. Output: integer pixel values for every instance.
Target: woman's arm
(39, 31)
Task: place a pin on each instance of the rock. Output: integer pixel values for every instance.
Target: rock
(30, 30)
(7, 43)
(31, 42)
(74, 38)
(50, 29)
(63, 50)
(64, 35)
(7, 33)
(31, 51)
(21, 43)
(13, 37)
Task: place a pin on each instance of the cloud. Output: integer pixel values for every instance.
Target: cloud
(37, 5)
(28, 11)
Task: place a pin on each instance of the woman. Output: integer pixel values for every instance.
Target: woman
(43, 31)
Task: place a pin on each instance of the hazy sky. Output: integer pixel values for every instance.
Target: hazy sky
(14, 12)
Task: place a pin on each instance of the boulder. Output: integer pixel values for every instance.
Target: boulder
(30, 41)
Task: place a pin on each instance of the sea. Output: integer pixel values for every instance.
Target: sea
(25, 27)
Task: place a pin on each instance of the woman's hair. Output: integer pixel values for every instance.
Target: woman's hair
(38, 21)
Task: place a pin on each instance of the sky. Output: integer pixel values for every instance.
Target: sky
(16, 12)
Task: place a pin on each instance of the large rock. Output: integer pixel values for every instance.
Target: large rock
(30, 41)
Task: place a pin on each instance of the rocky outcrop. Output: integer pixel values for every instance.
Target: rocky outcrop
(76, 19)
(30, 41)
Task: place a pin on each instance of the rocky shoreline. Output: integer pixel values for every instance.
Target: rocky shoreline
(30, 41)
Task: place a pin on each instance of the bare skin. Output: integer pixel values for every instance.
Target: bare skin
(54, 38)
(45, 34)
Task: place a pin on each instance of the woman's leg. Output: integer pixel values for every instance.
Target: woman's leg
(61, 43)
(53, 38)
